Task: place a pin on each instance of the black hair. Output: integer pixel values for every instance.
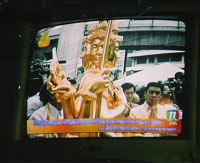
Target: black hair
(44, 94)
(126, 86)
(154, 84)
(35, 85)
(179, 75)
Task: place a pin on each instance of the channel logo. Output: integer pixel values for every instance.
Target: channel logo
(174, 115)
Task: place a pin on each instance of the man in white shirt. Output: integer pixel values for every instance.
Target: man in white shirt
(151, 108)
(37, 101)
(47, 112)
(52, 110)
(131, 96)
(33, 103)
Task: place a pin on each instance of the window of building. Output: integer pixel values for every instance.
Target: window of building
(47, 51)
(86, 30)
(163, 58)
(129, 62)
(54, 43)
(48, 55)
(176, 57)
(151, 59)
(142, 60)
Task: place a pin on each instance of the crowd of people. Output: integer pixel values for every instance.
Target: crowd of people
(94, 95)
(172, 92)
(152, 101)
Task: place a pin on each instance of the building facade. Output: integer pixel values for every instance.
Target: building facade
(146, 43)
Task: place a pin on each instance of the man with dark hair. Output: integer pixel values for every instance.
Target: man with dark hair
(131, 96)
(178, 89)
(51, 110)
(151, 107)
(127, 86)
(34, 102)
(179, 75)
(154, 84)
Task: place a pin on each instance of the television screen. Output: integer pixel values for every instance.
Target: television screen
(107, 78)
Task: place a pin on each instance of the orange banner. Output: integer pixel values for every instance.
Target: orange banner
(103, 125)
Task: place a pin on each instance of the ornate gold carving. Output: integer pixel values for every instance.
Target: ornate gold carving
(94, 46)
(96, 96)
(100, 52)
